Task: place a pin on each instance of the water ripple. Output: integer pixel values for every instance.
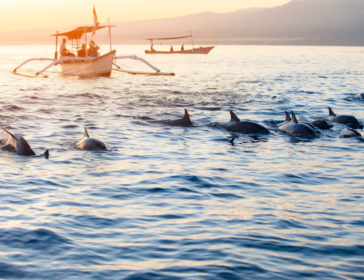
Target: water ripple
(184, 203)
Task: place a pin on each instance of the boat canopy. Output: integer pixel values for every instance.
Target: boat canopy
(170, 38)
(77, 33)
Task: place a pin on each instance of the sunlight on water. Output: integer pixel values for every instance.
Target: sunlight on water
(183, 202)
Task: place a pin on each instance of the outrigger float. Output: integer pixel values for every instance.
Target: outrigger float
(87, 66)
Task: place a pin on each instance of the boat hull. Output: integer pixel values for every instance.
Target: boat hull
(201, 50)
(99, 66)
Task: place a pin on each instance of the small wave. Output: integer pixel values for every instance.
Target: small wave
(40, 239)
(158, 190)
(12, 108)
(152, 275)
(228, 196)
(207, 108)
(91, 221)
(88, 95)
(12, 271)
(170, 216)
(103, 88)
(284, 224)
(308, 92)
(198, 182)
(81, 95)
(143, 118)
(245, 139)
(47, 111)
(70, 126)
(31, 89)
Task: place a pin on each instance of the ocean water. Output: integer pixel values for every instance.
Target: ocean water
(184, 203)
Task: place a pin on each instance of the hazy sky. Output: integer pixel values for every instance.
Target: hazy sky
(29, 14)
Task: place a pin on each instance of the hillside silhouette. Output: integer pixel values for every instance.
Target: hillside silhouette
(302, 22)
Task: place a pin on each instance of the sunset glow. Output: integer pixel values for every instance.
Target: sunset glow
(25, 14)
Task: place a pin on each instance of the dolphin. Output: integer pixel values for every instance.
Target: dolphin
(287, 119)
(349, 132)
(245, 127)
(293, 127)
(19, 145)
(185, 121)
(360, 96)
(321, 124)
(302, 119)
(348, 120)
(87, 143)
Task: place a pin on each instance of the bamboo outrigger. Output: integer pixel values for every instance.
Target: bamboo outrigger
(86, 65)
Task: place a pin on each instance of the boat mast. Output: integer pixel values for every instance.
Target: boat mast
(192, 41)
(84, 32)
(56, 53)
(108, 20)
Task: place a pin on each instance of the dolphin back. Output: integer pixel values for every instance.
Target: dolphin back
(331, 112)
(288, 117)
(186, 118)
(91, 144)
(298, 129)
(185, 121)
(234, 117)
(86, 133)
(248, 127)
(321, 124)
(348, 120)
(23, 148)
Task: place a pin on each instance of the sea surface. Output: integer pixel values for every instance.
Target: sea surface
(170, 202)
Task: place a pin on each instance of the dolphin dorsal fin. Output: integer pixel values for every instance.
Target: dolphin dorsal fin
(86, 133)
(288, 118)
(331, 112)
(8, 132)
(186, 117)
(293, 117)
(234, 118)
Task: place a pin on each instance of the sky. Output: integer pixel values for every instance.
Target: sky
(34, 14)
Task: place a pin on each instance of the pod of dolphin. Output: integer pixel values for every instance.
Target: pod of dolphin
(290, 126)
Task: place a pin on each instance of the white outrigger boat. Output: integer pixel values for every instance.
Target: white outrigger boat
(87, 66)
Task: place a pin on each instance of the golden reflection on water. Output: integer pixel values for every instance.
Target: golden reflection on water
(158, 264)
(174, 184)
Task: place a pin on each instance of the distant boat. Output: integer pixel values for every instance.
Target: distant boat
(182, 50)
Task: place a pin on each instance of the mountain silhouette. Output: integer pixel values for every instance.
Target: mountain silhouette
(302, 22)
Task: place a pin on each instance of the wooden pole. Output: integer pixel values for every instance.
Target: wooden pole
(85, 41)
(108, 20)
(56, 52)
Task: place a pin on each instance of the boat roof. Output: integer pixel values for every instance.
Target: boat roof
(79, 31)
(169, 38)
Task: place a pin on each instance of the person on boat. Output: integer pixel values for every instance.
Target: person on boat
(82, 51)
(182, 48)
(63, 50)
(93, 49)
(151, 48)
(171, 49)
